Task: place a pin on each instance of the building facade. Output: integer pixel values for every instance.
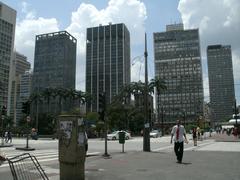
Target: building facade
(54, 65)
(107, 62)
(221, 82)
(25, 86)
(7, 35)
(178, 62)
(19, 66)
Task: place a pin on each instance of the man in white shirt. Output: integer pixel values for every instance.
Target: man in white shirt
(179, 133)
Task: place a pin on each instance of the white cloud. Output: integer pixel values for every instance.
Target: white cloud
(28, 28)
(218, 22)
(130, 12)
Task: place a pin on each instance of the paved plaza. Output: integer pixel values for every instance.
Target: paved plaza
(211, 159)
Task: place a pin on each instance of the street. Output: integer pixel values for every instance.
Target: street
(209, 160)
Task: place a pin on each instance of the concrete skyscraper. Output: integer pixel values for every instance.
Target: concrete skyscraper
(178, 62)
(7, 35)
(54, 64)
(19, 66)
(107, 62)
(221, 82)
(24, 93)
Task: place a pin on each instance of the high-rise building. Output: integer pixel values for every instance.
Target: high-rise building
(221, 83)
(178, 62)
(24, 93)
(54, 64)
(107, 62)
(7, 35)
(19, 66)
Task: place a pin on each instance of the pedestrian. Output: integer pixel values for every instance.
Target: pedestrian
(179, 133)
(194, 133)
(9, 136)
(198, 133)
(6, 136)
(235, 133)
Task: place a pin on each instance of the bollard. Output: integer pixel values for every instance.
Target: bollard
(71, 145)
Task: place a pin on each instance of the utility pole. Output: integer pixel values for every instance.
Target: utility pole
(146, 135)
(3, 114)
(102, 115)
(235, 111)
(162, 121)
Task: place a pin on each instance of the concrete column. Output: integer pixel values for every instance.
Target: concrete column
(72, 154)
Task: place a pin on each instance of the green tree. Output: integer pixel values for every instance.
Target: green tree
(160, 86)
(47, 94)
(35, 98)
(61, 94)
(80, 96)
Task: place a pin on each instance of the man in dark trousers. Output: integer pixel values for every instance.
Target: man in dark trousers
(179, 134)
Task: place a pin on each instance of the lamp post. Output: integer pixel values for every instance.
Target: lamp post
(28, 121)
(235, 111)
(162, 121)
(146, 135)
(2, 118)
(184, 118)
(3, 113)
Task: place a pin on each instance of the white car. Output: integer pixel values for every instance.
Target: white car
(115, 135)
(155, 133)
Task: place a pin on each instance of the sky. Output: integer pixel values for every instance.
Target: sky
(218, 22)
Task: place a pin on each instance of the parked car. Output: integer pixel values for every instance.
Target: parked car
(115, 135)
(155, 133)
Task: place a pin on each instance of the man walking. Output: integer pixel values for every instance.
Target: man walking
(178, 131)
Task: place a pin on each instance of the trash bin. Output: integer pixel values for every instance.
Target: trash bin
(121, 137)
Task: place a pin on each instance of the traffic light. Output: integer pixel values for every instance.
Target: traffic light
(101, 102)
(4, 111)
(101, 106)
(26, 107)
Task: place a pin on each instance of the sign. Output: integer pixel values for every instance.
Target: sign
(66, 127)
(81, 138)
(80, 121)
(146, 125)
(28, 119)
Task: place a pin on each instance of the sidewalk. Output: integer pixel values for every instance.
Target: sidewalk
(224, 138)
(163, 166)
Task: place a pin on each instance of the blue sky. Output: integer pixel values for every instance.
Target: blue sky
(218, 22)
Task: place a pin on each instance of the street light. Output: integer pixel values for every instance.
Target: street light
(146, 135)
(184, 117)
(162, 121)
(3, 113)
(235, 111)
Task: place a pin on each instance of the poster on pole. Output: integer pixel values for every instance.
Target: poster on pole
(146, 125)
(66, 128)
(81, 138)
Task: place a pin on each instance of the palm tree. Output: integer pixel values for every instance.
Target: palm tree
(47, 94)
(54, 95)
(71, 94)
(137, 88)
(80, 96)
(36, 97)
(61, 93)
(160, 86)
